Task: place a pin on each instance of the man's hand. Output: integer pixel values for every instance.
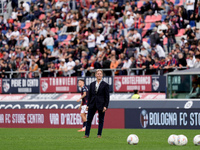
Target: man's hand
(104, 109)
(87, 108)
(79, 108)
(78, 100)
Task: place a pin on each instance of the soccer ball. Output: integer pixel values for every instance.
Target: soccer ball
(196, 140)
(132, 139)
(172, 138)
(181, 140)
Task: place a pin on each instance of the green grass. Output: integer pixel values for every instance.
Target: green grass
(70, 139)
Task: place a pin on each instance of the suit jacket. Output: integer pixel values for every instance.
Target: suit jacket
(100, 98)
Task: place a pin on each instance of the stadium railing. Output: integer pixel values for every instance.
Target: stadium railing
(130, 71)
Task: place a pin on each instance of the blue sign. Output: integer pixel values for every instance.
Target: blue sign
(20, 85)
(108, 80)
(158, 83)
(162, 118)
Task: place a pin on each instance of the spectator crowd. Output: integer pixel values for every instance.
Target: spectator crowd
(74, 37)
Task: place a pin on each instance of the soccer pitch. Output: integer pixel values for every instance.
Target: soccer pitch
(70, 139)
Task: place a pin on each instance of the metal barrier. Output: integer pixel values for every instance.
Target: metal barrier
(129, 71)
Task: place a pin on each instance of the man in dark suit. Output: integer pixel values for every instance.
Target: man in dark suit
(98, 100)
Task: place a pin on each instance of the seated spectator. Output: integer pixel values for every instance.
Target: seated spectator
(23, 67)
(62, 68)
(197, 62)
(190, 61)
(126, 65)
(33, 70)
(181, 60)
(43, 67)
(70, 66)
(51, 69)
(171, 63)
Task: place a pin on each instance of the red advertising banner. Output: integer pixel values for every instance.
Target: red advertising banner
(58, 84)
(130, 83)
(56, 118)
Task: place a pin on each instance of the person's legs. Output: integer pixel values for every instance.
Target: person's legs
(90, 116)
(101, 121)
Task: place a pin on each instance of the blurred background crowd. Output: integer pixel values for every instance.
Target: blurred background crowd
(74, 37)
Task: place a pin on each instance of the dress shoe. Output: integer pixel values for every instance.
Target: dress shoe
(85, 137)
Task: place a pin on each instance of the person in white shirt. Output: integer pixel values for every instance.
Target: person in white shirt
(161, 27)
(15, 33)
(144, 52)
(43, 32)
(59, 4)
(103, 44)
(106, 30)
(8, 34)
(190, 8)
(92, 15)
(70, 66)
(14, 14)
(25, 42)
(129, 21)
(63, 67)
(191, 61)
(49, 42)
(91, 42)
(160, 51)
(54, 54)
(136, 36)
(197, 62)
(99, 38)
(126, 65)
(26, 6)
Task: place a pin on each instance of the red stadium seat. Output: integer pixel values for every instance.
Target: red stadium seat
(159, 3)
(181, 3)
(181, 32)
(139, 4)
(28, 24)
(158, 17)
(148, 18)
(68, 38)
(172, 1)
(42, 16)
(144, 39)
(147, 26)
(53, 30)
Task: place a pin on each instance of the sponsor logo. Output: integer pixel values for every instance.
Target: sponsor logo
(144, 118)
(118, 85)
(188, 105)
(155, 84)
(6, 86)
(44, 86)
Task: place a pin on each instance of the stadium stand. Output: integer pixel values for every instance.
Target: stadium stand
(97, 33)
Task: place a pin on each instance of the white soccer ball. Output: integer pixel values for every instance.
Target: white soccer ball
(196, 140)
(132, 139)
(172, 138)
(181, 140)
